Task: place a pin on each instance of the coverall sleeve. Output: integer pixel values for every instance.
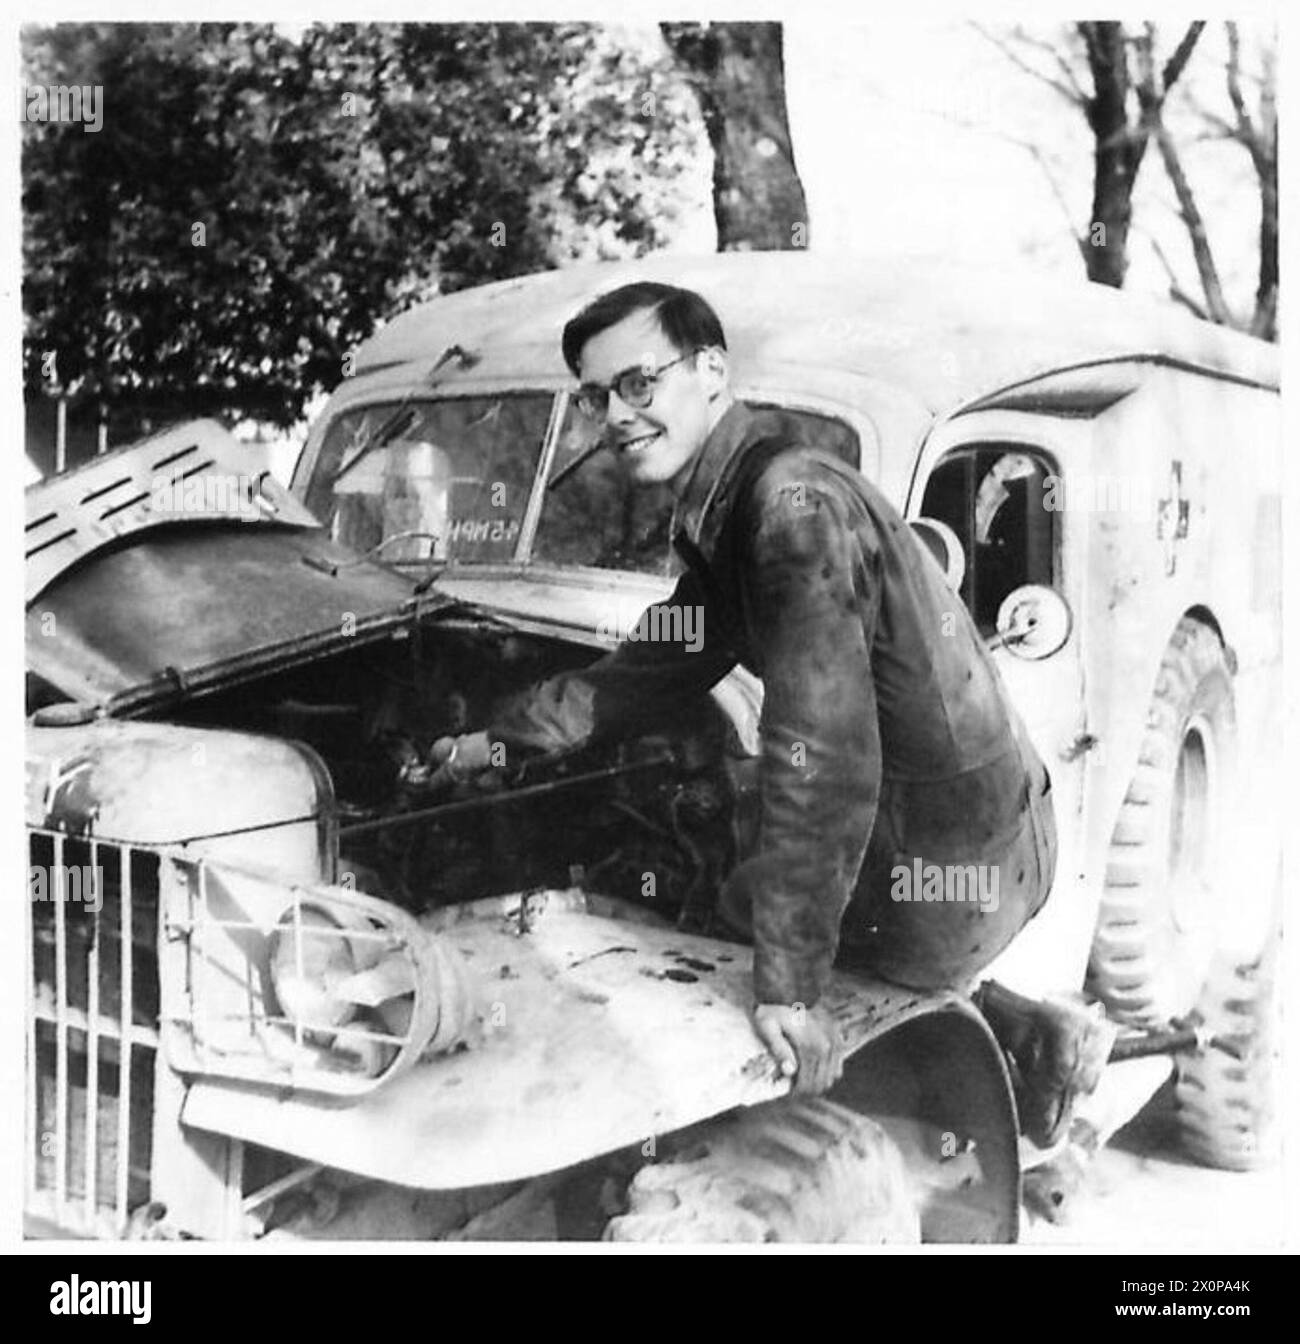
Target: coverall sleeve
(811, 589)
(638, 686)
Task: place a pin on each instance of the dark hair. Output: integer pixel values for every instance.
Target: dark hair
(684, 317)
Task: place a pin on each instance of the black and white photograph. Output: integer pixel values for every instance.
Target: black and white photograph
(651, 634)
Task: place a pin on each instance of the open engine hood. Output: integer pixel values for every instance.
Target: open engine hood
(134, 597)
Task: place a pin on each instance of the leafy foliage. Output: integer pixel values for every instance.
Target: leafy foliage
(258, 200)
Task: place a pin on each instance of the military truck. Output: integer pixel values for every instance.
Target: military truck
(277, 990)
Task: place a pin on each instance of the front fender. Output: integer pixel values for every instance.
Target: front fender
(602, 1032)
(245, 796)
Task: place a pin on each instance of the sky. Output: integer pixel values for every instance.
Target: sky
(904, 138)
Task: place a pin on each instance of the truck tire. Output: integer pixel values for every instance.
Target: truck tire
(1155, 927)
(1224, 1105)
(795, 1170)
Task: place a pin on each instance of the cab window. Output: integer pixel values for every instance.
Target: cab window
(998, 499)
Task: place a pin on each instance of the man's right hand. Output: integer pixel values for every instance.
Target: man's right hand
(461, 757)
(805, 1042)
(451, 761)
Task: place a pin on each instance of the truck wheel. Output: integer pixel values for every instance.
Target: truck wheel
(1224, 1105)
(795, 1170)
(1155, 926)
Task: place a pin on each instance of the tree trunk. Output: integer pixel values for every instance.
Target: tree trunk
(1265, 321)
(1116, 154)
(1119, 143)
(738, 74)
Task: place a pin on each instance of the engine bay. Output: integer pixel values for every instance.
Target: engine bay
(657, 820)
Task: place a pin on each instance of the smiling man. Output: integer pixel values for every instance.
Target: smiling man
(657, 423)
(886, 738)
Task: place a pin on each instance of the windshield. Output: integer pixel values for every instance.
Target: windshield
(453, 487)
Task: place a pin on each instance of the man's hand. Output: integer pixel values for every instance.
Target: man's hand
(462, 757)
(805, 1042)
(451, 761)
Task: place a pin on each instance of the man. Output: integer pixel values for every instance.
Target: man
(886, 737)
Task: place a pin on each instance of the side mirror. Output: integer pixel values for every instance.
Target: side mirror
(1033, 622)
(945, 545)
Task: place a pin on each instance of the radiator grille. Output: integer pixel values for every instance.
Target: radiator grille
(92, 1031)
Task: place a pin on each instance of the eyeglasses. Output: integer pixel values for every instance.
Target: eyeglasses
(635, 386)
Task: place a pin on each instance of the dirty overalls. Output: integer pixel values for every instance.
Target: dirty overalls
(904, 819)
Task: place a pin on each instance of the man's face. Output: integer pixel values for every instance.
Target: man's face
(658, 442)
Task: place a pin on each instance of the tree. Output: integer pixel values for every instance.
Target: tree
(1120, 111)
(1126, 112)
(738, 73)
(257, 201)
(1255, 129)
(1121, 143)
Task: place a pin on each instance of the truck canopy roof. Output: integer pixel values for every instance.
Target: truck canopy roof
(939, 332)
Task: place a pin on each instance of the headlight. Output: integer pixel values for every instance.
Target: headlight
(312, 987)
(310, 958)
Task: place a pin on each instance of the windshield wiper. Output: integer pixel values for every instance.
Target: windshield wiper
(404, 417)
(586, 455)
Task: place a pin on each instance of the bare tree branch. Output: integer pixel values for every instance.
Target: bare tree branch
(1264, 323)
(982, 128)
(1153, 91)
(1149, 95)
(1226, 130)
(1247, 127)
(1074, 96)
(1264, 153)
(1181, 296)
(1039, 44)
(1175, 64)
(1144, 45)
(1151, 100)
(1215, 302)
(1261, 143)
(1055, 186)
(1176, 291)
(1267, 81)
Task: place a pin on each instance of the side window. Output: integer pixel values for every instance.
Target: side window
(596, 516)
(825, 431)
(998, 499)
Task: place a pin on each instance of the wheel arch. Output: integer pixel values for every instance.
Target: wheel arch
(938, 1083)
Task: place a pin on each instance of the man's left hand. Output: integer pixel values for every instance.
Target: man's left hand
(805, 1042)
